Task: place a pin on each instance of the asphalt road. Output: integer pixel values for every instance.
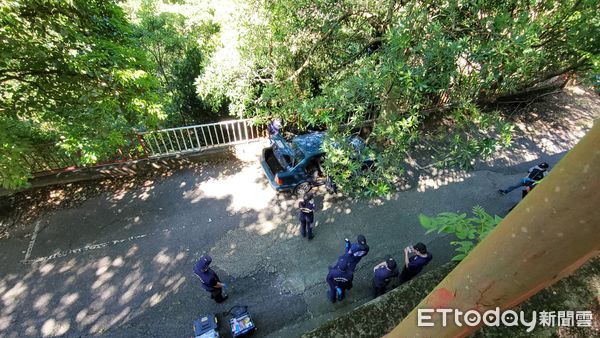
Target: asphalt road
(120, 265)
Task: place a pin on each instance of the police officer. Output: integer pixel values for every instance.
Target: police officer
(339, 280)
(415, 259)
(210, 280)
(356, 251)
(382, 275)
(306, 215)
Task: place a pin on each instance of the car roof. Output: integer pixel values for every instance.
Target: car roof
(310, 143)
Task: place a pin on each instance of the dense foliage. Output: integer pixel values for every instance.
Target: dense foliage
(82, 75)
(335, 64)
(177, 45)
(70, 73)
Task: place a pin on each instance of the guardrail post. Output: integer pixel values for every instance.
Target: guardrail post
(142, 143)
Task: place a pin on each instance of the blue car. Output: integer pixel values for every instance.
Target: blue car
(296, 166)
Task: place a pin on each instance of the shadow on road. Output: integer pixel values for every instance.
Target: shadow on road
(116, 258)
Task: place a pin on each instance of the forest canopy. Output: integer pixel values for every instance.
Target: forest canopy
(336, 64)
(85, 75)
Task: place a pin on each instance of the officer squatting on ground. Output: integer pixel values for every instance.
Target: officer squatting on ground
(339, 279)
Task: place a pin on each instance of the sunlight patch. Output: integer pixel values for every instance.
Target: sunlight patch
(41, 303)
(5, 322)
(12, 295)
(69, 299)
(575, 90)
(52, 327)
(244, 188)
(162, 258)
(46, 268)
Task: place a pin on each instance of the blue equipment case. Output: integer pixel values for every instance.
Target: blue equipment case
(240, 321)
(206, 327)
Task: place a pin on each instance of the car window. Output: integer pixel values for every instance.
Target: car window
(288, 161)
(279, 144)
(298, 154)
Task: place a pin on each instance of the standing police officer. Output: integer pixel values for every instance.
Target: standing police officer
(356, 251)
(307, 215)
(382, 274)
(415, 263)
(339, 280)
(210, 280)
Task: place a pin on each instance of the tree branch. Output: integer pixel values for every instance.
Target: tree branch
(315, 45)
(20, 75)
(581, 62)
(389, 14)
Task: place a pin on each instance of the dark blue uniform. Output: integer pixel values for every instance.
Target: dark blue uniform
(339, 280)
(209, 280)
(306, 217)
(416, 263)
(356, 251)
(382, 277)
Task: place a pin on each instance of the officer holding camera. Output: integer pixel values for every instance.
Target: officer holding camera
(415, 259)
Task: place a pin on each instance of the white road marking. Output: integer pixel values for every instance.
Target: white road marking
(32, 241)
(89, 247)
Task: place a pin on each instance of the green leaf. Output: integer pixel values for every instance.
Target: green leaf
(459, 257)
(425, 221)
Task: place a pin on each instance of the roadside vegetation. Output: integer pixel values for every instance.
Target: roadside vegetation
(469, 231)
(407, 75)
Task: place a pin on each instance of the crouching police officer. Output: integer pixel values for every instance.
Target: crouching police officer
(382, 275)
(339, 280)
(356, 251)
(210, 280)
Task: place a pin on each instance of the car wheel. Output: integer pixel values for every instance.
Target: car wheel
(302, 188)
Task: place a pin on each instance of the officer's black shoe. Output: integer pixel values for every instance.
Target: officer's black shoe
(310, 237)
(224, 298)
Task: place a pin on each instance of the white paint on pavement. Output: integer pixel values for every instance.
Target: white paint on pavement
(89, 247)
(32, 241)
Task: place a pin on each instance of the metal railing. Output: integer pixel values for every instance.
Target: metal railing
(194, 138)
(172, 141)
(49, 158)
